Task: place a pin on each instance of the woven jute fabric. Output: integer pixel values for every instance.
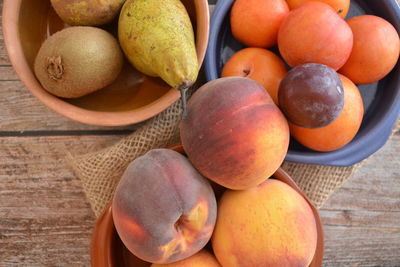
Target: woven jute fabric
(101, 170)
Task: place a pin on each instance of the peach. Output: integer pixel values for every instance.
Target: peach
(202, 258)
(257, 64)
(314, 33)
(234, 134)
(256, 22)
(375, 51)
(340, 6)
(267, 225)
(340, 132)
(163, 209)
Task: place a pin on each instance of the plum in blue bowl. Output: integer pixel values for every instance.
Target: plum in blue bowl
(381, 100)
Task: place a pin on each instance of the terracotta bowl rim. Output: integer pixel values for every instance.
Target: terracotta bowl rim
(100, 252)
(15, 52)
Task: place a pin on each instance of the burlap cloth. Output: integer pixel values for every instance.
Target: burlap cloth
(101, 170)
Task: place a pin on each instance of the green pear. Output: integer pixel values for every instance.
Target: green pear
(158, 39)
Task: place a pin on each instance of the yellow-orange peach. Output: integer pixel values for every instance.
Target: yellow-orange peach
(163, 209)
(267, 225)
(234, 134)
(202, 258)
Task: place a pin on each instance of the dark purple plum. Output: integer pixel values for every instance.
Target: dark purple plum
(311, 95)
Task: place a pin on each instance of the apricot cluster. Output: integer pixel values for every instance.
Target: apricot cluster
(317, 43)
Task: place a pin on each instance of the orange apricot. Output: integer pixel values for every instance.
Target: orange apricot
(375, 51)
(340, 6)
(340, 132)
(314, 33)
(257, 64)
(256, 22)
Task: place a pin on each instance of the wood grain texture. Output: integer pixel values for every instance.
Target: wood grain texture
(362, 218)
(45, 219)
(7, 73)
(4, 60)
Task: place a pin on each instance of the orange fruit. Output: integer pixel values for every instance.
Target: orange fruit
(340, 132)
(256, 22)
(340, 6)
(375, 50)
(260, 65)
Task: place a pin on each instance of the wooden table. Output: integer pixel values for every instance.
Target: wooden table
(45, 219)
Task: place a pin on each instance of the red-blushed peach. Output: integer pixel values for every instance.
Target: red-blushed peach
(234, 134)
(314, 33)
(202, 258)
(163, 209)
(267, 225)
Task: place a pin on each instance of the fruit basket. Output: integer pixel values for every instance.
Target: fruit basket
(128, 100)
(381, 100)
(107, 249)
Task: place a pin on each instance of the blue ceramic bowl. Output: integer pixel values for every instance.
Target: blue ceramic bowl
(381, 99)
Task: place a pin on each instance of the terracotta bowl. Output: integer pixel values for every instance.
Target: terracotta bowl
(132, 98)
(107, 249)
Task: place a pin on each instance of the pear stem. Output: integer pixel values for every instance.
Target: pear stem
(183, 100)
(183, 87)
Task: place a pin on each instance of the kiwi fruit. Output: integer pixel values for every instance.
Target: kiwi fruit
(77, 61)
(87, 12)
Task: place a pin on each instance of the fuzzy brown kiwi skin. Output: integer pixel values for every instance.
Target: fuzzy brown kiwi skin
(77, 61)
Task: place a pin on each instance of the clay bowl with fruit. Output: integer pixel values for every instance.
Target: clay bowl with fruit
(131, 98)
(107, 249)
(375, 97)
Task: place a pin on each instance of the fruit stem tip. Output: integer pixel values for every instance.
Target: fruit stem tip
(183, 87)
(183, 100)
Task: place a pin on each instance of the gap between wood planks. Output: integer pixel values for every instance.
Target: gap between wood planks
(63, 133)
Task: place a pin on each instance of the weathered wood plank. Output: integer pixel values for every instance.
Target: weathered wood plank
(362, 218)
(7, 73)
(361, 246)
(45, 219)
(4, 60)
(21, 111)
